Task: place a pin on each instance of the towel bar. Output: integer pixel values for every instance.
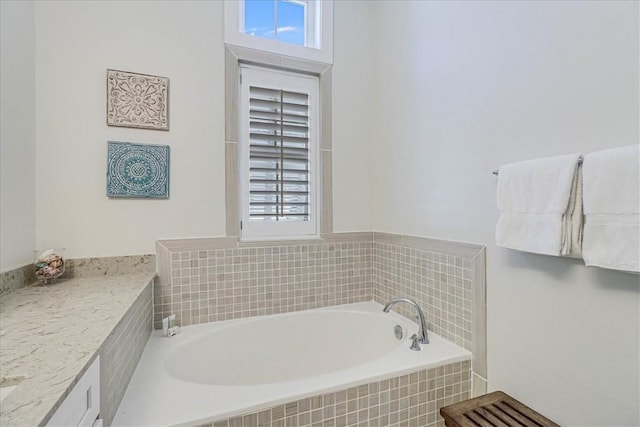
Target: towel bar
(579, 162)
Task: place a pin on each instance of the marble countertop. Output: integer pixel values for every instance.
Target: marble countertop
(50, 334)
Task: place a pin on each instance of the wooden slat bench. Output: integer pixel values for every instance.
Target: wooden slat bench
(496, 409)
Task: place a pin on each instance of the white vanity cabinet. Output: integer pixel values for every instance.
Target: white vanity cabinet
(82, 406)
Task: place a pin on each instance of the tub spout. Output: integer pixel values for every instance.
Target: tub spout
(421, 337)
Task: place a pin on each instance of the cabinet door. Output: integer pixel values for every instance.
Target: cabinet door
(82, 406)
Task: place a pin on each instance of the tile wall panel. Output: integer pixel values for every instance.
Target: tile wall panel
(121, 352)
(409, 400)
(221, 284)
(439, 283)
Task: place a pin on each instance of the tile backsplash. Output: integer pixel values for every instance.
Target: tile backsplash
(221, 284)
(440, 283)
(206, 280)
(447, 279)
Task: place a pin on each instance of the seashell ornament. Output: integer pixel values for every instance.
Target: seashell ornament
(49, 266)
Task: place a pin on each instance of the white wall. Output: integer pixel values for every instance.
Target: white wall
(353, 132)
(467, 86)
(17, 139)
(78, 41)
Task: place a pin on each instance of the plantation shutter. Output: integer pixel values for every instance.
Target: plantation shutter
(278, 155)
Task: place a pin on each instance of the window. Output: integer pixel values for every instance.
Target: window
(290, 21)
(297, 28)
(278, 154)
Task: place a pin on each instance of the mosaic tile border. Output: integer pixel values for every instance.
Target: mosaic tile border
(408, 400)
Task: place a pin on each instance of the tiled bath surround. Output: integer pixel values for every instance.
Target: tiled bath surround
(204, 280)
(408, 400)
(222, 284)
(447, 280)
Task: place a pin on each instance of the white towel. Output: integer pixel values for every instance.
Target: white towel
(540, 206)
(612, 209)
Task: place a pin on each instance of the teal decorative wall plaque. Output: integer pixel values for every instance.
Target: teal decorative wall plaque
(137, 170)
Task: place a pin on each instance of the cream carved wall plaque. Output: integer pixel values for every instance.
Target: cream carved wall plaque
(137, 100)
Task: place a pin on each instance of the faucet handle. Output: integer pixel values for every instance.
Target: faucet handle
(415, 343)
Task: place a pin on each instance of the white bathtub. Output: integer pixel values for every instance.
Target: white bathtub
(218, 370)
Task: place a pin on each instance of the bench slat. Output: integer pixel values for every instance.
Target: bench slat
(496, 409)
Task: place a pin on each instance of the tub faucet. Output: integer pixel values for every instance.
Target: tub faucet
(421, 337)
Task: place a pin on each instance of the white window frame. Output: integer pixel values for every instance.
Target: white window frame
(318, 34)
(277, 79)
